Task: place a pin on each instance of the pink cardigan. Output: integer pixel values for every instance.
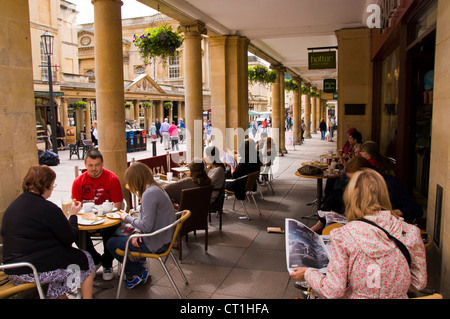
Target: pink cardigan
(366, 264)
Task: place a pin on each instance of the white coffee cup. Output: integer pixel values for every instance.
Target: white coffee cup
(88, 207)
(107, 206)
(169, 176)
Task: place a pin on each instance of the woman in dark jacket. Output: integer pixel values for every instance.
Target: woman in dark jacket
(36, 230)
(248, 163)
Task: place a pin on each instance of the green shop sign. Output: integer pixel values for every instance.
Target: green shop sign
(329, 85)
(322, 60)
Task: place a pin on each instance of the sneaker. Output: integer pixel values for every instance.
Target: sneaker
(136, 280)
(108, 274)
(131, 283)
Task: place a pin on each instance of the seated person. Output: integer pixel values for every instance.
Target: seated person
(230, 163)
(371, 151)
(403, 204)
(249, 163)
(334, 202)
(215, 170)
(365, 263)
(267, 153)
(347, 148)
(97, 185)
(156, 212)
(197, 178)
(35, 230)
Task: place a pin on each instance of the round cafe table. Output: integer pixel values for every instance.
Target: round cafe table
(319, 179)
(86, 229)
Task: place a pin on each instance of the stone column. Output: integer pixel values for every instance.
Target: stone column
(109, 86)
(277, 122)
(64, 113)
(282, 141)
(136, 110)
(87, 120)
(307, 103)
(318, 112)
(297, 113)
(193, 88)
(313, 115)
(17, 151)
(229, 90)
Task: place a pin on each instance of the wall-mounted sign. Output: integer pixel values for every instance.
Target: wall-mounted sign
(322, 60)
(329, 85)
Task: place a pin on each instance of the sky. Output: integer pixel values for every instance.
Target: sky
(130, 9)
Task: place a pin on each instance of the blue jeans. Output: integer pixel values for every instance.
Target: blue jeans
(322, 133)
(131, 268)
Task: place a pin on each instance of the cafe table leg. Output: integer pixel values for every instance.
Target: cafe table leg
(319, 192)
(83, 239)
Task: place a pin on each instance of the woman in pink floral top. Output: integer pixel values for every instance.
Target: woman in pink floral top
(364, 262)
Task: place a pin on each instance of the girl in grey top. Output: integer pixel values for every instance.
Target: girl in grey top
(156, 212)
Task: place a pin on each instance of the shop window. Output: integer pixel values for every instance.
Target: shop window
(389, 104)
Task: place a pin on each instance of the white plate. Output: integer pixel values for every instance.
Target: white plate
(87, 222)
(113, 215)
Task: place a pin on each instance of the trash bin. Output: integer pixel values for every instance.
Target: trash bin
(130, 141)
(137, 140)
(144, 140)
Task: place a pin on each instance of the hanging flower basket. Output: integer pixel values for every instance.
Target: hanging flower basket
(158, 43)
(261, 74)
(146, 105)
(168, 105)
(306, 90)
(291, 85)
(80, 105)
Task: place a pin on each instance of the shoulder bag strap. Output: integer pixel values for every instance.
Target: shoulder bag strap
(399, 244)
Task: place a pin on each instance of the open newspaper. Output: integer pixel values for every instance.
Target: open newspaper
(332, 217)
(305, 248)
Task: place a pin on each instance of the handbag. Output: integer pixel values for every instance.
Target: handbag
(310, 170)
(399, 244)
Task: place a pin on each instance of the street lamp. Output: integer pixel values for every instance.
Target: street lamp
(47, 40)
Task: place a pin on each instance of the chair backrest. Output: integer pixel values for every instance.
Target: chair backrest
(197, 201)
(13, 288)
(251, 181)
(185, 214)
(220, 199)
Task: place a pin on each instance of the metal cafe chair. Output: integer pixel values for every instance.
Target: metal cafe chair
(249, 186)
(7, 288)
(177, 224)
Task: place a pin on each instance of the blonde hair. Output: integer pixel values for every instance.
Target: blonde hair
(365, 194)
(138, 177)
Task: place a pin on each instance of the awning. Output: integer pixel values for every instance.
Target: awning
(250, 112)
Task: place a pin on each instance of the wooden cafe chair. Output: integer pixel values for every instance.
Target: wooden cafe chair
(184, 215)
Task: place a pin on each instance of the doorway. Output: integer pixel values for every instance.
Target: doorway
(422, 58)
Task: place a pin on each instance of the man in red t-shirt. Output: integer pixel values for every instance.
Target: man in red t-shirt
(97, 185)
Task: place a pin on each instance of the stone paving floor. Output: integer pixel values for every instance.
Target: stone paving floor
(243, 260)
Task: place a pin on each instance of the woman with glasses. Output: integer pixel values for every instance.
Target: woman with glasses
(35, 230)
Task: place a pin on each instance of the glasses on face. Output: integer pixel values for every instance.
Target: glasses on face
(54, 185)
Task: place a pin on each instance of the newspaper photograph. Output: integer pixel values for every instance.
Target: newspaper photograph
(304, 247)
(332, 217)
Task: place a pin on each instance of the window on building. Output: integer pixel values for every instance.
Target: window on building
(174, 67)
(44, 66)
